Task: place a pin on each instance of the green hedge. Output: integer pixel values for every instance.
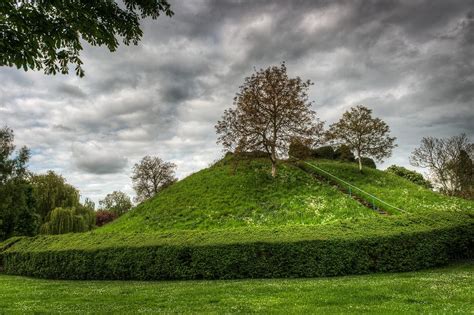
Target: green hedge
(409, 243)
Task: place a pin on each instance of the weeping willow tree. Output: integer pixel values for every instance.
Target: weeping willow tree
(68, 220)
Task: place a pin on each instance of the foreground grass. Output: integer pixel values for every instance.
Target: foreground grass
(444, 290)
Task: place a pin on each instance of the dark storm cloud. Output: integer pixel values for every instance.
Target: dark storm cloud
(94, 158)
(411, 61)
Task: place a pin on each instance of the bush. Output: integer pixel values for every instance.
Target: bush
(377, 245)
(344, 153)
(326, 152)
(251, 155)
(368, 162)
(412, 176)
(103, 217)
(299, 150)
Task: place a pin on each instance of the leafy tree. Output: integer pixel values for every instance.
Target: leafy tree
(151, 175)
(449, 161)
(17, 206)
(270, 110)
(412, 176)
(38, 34)
(116, 202)
(67, 220)
(51, 191)
(87, 211)
(365, 135)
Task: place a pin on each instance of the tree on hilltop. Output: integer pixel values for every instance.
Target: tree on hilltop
(151, 175)
(38, 34)
(270, 110)
(365, 135)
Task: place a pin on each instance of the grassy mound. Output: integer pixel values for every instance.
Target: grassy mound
(229, 195)
(235, 221)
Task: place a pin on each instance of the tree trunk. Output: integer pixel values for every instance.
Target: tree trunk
(360, 163)
(273, 157)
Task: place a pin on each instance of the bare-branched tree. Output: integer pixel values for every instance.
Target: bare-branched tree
(449, 161)
(151, 175)
(269, 111)
(365, 135)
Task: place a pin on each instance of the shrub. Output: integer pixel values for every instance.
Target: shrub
(103, 217)
(298, 149)
(326, 152)
(344, 153)
(410, 175)
(251, 155)
(378, 245)
(368, 162)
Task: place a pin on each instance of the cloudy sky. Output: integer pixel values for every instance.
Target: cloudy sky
(411, 61)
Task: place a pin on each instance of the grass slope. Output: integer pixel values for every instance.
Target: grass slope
(447, 290)
(394, 189)
(231, 221)
(222, 197)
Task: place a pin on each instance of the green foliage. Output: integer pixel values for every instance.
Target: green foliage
(325, 152)
(299, 149)
(371, 245)
(445, 290)
(47, 34)
(68, 220)
(17, 206)
(368, 162)
(410, 175)
(116, 202)
(344, 153)
(51, 191)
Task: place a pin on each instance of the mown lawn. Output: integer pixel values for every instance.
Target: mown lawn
(446, 290)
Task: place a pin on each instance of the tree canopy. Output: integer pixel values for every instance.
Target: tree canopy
(362, 133)
(270, 111)
(449, 161)
(52, 191)
(151, 175)
(117, 202)
(17, 205)
(49, 35)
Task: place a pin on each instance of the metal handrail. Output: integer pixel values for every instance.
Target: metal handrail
(355, 187)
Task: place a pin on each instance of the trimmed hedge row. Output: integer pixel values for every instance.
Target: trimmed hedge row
(403, 251)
